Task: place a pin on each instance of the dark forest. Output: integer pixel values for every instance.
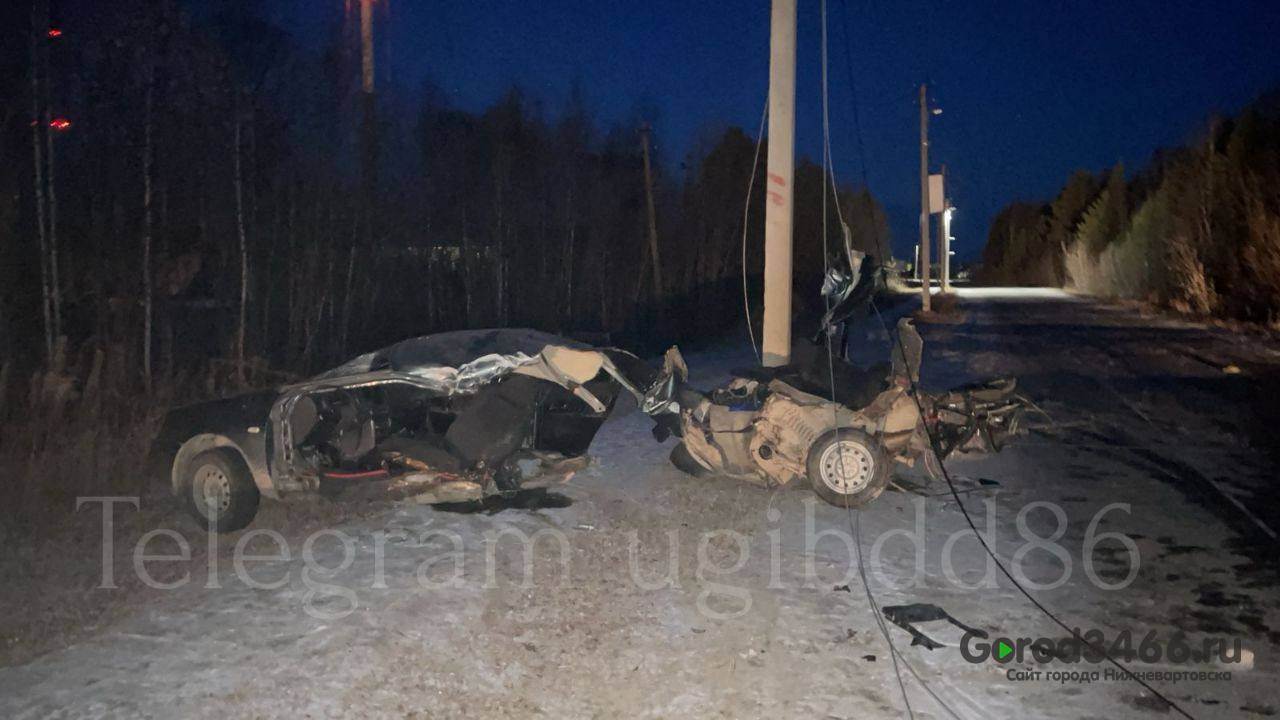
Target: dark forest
(1195, 230)
(205, 203)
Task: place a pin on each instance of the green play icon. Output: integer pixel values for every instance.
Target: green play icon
(1003, 650)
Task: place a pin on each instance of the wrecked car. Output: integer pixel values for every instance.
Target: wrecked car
(824, 419)
(773, 426)
(452, 417)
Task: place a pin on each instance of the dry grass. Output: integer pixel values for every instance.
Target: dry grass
(79, 428)
(82, 426)
(1119, 271)
(1083, 274)
(1262, 261)
(1125, 271)
(75, 434)
(1191, 291)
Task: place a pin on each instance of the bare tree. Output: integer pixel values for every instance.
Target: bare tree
(569, 249)
(244, 254)
(147, 291)
(39, 20)
(55, 283)
(654, 258)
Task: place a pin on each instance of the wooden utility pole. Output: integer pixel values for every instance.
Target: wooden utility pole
(924, 197)
(653, 217)
(778, 214)
(362, 230)
(369, 119)
(366, 45)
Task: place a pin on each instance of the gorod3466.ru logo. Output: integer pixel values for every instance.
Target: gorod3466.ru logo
(1092, 647)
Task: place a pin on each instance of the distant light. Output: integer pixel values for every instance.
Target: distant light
(55, 32)
(937, 111)
(60, 123)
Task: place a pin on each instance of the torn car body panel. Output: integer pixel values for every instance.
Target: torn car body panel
(517, 410)
(824, 419)
(774, 426)
(469, 420)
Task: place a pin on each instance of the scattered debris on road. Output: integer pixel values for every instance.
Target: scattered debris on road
(906, 616)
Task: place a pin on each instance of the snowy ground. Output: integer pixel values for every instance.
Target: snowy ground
(454, 622)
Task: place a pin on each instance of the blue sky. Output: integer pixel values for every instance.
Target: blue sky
(1030, 90)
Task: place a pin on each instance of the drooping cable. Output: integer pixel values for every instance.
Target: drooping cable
(746, 214)
(854, 526)
(933, 442)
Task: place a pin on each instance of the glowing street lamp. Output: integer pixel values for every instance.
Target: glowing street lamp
(945, 242)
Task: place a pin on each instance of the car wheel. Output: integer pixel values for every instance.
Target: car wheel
(847, 468)
(684, 460)
(219, 491)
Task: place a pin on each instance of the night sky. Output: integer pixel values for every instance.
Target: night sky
(1030, 90)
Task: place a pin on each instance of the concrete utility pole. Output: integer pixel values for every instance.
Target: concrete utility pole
(924, 197)
(781, 167)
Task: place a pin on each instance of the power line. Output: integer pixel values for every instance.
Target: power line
(933, 447)
(854, 525)
(746, 213)
(955, 494)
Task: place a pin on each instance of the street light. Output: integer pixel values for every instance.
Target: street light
(945, 242)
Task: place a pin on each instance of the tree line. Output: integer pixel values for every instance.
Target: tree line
(194, 201)
(182, 183)
(1196, 230)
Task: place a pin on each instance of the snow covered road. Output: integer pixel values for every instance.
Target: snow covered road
(653, 594)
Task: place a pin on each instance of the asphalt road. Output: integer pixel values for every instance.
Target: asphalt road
(647, 593)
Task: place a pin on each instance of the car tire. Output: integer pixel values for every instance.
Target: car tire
(218, 490)
(847, 468)
(685, 462)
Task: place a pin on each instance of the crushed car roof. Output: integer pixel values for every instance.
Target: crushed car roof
(451, 349)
